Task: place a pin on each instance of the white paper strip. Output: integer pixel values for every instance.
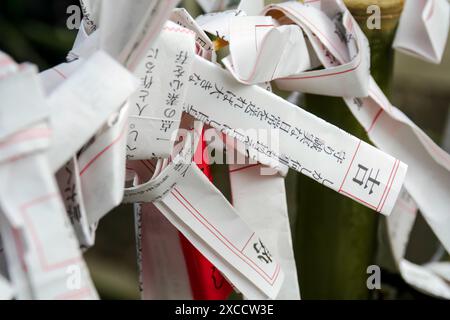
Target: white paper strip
(222, 237)
(260, 50)
(306, 143)
(68, 178)
(423, 29)
(83, 103)
(156, 107)
(260, 201)
(163, 268)
(29, 92)
(190, 202)
(102, 168)
(48, 252)
(399, 226)
(429, 177)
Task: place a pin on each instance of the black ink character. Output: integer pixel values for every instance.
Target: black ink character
(263, 254)
(362, 180)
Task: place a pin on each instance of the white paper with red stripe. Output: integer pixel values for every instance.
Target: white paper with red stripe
(156, 107)
(95, 108)
(102, 167)
(26, 83)
(163, 270)
(39, 242)
(198, 210)
(253, 61)
(221, 236)
(347, 175)
(68, 179)
(431, 278)
(259, 196)
(44, 241)
(161, 261)
(82, 104)
(428, 180)
(423, 29)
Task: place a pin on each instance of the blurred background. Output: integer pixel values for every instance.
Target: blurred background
(36, 31)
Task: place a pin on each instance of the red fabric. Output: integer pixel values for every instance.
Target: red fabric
(207, 282)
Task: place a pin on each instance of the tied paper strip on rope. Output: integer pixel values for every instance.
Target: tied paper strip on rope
(148, 199)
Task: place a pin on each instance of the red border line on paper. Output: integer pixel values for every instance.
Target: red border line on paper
(324, 75)
(76, 294)
(350, 165)
(392, 182)
(240, 255)
(317, 30)
(98, 155)
(243, 168)
(375, 119)
(248, 241)
(275, 274)
(388, 182)
(27, 135)
(42, 258)
(59, 72)
(387, 187)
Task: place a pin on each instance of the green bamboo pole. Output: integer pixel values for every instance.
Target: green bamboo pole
(335, 237)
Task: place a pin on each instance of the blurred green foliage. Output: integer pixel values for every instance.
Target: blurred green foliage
(35, 30)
